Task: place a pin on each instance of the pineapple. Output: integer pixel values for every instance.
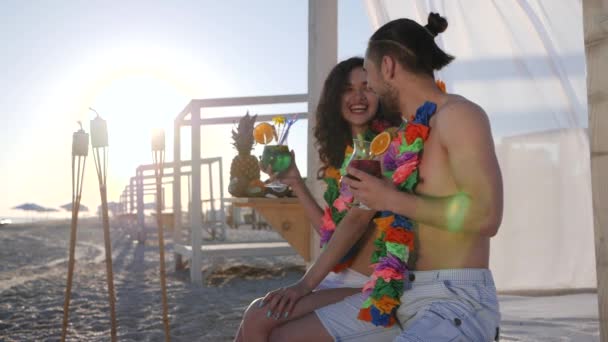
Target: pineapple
(244, 167)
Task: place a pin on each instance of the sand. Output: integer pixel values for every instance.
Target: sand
(33, 267)
(33, 278)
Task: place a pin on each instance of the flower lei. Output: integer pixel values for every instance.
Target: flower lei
(338, 197)
(337, 200)
(395, 233)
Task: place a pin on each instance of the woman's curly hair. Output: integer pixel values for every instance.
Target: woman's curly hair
(332, 131)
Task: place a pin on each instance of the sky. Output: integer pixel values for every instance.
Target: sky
(138, 64)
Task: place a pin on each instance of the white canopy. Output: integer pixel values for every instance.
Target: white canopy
(524, 63)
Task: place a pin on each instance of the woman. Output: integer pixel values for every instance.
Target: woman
(347, 108)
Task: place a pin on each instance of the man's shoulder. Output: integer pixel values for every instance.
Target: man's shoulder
(457, 106)
(458, 117)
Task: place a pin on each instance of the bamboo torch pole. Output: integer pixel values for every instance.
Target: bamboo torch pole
(158, 156)
(99, 142)
(80, 149)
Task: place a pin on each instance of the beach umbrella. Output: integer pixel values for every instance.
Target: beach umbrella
(49, 210)
(30, 207)
(68, 207)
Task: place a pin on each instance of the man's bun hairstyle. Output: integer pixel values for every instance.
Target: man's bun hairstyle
(411, 44)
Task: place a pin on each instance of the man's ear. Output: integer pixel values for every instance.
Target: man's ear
(387, 67)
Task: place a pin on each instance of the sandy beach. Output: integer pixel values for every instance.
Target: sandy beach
(33, 274)
(33, 278)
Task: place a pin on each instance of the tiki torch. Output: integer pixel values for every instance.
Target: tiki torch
(99, 142)
(158, 156)
(80, 148)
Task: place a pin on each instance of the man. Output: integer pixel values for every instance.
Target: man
(457, 203)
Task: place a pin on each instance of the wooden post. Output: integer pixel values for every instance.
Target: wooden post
(196, 234)
(177, 193)
(222, 200)
(595, 22)
(139, 193)
(322, 56)
(132, 195)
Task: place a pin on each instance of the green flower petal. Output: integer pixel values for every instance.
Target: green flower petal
(367, 303)
(398, 250)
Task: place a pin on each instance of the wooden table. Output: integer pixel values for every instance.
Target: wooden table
(286, 216)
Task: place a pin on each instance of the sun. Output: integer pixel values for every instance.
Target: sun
(133, 106)
(140, 101)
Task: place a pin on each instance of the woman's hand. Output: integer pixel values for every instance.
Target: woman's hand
(290, 177)
(369, 190)
(281, 302)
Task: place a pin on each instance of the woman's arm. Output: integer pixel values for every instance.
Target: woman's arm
(348, 232)
(293, 178)
(308, 202)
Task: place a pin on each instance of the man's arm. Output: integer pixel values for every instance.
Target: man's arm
(464, 132)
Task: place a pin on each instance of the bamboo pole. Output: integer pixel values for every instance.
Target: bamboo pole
(78, 162)
(68, 288)
(99, 142)
(159, 159)
(595, 22)
(101, 172)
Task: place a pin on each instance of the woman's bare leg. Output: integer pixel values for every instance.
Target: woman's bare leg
(239, 334)
(306, 328)
(256, 326)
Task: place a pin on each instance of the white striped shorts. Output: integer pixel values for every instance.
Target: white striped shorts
(346, 278)
(442, 305)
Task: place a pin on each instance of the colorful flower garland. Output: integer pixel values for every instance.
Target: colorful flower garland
(338, 198)
(395, 233)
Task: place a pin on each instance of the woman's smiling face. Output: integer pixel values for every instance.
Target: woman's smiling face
(359, 102)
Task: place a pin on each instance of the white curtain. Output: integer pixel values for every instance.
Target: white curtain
(524, 63)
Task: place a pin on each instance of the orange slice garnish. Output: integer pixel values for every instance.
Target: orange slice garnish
(263, 133)
(380, 143)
